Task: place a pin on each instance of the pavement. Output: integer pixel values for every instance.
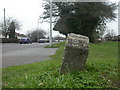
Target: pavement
(20, 54)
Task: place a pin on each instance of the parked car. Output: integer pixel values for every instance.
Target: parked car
(43, 41)
(25, 41)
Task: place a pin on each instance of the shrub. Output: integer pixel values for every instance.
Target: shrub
(9, 40)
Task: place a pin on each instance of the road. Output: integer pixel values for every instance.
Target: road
(19, 54)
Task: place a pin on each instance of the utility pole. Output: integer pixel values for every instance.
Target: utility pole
(4, 23)
(38, 31)
(119, 18)
(50, 39)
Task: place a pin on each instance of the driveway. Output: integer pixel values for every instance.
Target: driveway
(19, 54)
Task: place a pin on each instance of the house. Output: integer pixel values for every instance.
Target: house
(19, 36)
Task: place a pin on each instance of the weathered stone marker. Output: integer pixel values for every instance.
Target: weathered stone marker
(75, 54)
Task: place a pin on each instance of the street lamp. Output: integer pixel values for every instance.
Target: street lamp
(4, 23)
(38, 29)
(50, 39)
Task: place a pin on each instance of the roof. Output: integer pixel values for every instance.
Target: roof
(20, 35)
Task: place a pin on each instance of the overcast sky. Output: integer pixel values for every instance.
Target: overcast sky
(28, 12)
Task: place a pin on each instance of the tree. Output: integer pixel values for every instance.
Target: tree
(12, 30)
(9, 20)
(36, 34)
(86, 18)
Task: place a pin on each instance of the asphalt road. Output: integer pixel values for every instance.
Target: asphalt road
(19, 54)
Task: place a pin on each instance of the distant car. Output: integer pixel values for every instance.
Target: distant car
(43, 41)
(25, 41)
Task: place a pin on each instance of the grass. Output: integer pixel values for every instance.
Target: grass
(101, 71)
(0, 78)
(56, 45)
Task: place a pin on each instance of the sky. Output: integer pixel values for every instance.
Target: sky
(28, 12)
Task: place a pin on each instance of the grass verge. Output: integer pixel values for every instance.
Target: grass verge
(56, 45)
(101, 71)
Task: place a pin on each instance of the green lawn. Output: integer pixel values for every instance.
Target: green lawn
(101, 71)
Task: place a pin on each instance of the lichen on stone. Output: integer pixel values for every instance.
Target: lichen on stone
(75, 54)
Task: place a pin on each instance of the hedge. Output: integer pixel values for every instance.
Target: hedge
(9, 40)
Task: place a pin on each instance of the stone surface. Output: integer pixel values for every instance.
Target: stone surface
(75, 54)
